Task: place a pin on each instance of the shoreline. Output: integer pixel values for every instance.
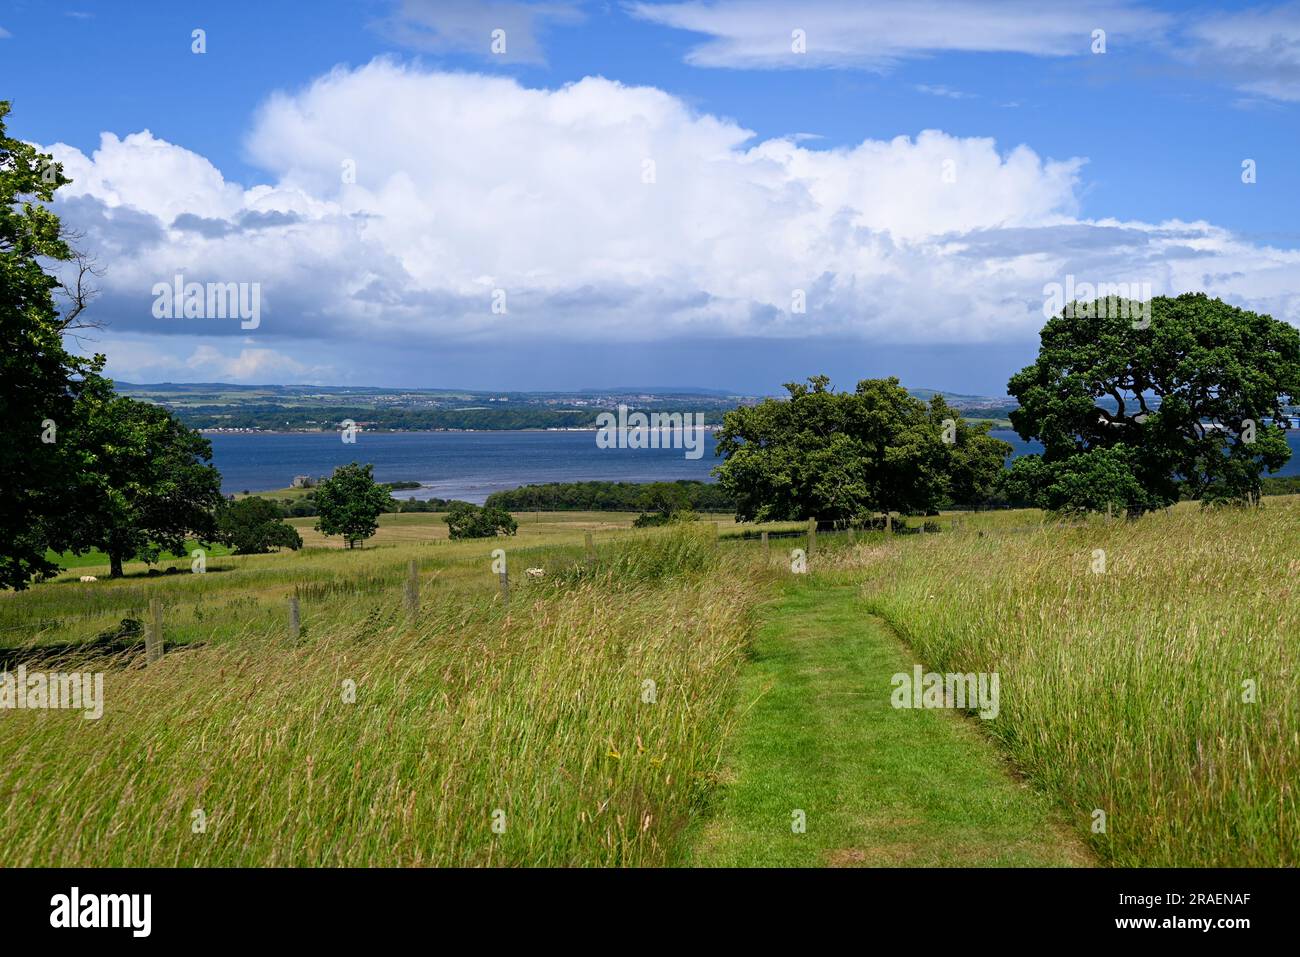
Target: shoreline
(221, 431)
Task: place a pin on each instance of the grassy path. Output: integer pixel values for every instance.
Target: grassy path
(878, 786)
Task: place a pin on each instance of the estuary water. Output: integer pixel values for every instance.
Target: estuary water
(472, 465)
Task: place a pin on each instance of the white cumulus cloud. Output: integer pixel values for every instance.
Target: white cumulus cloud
(401, 203)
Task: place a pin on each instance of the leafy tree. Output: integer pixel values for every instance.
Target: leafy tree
(975, 460)
(664, 498)
(1132, 414)
(349, 503)
(470, 521)
(253, 526)
(839, 456)
(39, 379)
(1097, 480)
(147, 484)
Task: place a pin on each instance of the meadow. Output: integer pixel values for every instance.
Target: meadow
(386, 738)
(612, 711)
(1149, 669)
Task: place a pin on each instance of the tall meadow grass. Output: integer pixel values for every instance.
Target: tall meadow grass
(581, 724)
(1126, 653)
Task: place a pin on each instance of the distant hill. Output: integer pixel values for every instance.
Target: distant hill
(954, 398)
(314, 408)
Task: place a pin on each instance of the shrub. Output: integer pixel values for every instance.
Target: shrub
(470, 521)
(253, 526)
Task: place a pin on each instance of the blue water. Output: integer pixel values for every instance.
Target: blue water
(461, 465)
(472, 465)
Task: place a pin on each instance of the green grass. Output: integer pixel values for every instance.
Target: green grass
(1119, 691)
(878, 786)
(95, 558)
(1123, 686)
(537, 710)
(246, 595)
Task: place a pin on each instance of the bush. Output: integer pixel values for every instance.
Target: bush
(656, 519)
(253, 526)
(469, 521)
(651, 520)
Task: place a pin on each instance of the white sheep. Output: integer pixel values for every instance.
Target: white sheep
(535, 572)
(89, 578)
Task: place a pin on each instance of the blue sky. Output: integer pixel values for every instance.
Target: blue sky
(775, 170)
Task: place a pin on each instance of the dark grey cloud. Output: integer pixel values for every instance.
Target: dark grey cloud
(110, 229)
(209, 228)
(252, 219)
(248, 221)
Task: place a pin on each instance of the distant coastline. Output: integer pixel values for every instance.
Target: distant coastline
(376, 431)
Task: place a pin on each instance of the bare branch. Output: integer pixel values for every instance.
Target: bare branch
(77, 285)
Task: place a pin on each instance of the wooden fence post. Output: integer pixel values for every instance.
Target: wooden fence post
(812, 534)
(153, 640)
(591, 548)
(767, 551)
(504, 576)
(412, 588)
(295, 618)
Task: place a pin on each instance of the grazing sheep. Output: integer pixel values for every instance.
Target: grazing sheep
(89, 578)
(535, 572)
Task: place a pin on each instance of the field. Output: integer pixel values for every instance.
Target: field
(1127, 686)
(672, 699)
(246, 594)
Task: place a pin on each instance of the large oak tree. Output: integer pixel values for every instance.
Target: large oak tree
(1133, 413)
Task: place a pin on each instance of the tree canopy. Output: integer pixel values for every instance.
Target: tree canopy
(842, 456)
(39, 379)
(465, 520)
(1131, 414)
(253, 526)
(349, 503)
(147, 484)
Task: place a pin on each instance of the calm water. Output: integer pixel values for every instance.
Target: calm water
(463, 465)
(471, 465)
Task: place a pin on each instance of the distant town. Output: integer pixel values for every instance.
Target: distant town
(227, 408)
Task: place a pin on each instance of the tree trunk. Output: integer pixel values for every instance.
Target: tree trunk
(114, 565)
